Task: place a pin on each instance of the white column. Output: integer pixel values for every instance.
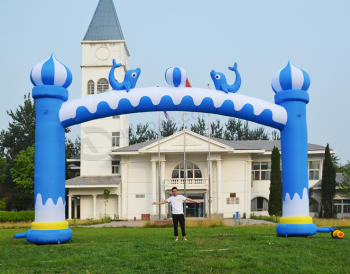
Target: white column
(69, 207)
(154, 186)
(124, 202)
(119, 206)
(211, 187)
(249, 188)
(75, 207)
(162, 177)
(94, 205)
(218, 182)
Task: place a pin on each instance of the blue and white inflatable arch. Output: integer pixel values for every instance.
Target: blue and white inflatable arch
(54, 113)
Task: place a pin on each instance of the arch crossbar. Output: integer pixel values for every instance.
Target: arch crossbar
(137, 100)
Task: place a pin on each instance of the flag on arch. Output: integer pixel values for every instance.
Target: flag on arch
(188, 84)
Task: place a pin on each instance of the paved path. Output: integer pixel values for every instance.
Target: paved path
(231, 222)
(234, 222)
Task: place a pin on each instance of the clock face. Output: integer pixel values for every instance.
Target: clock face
(102, 53)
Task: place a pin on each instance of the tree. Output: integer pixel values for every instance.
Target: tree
(217, 130)
(3, 168)
(328, 186)
(276, 193)
(199, 127)
(275, 135)
(106, 193)
(233, 126)
(21, 131)
(335, 160)
(23, 171)
(72, 149)
(168, 128)
(236, 130)
(143, 134)
(345, 183)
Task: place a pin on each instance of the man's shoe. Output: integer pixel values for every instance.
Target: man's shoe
(185, 239)
(176, 240)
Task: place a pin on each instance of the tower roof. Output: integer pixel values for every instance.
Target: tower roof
(104, 24)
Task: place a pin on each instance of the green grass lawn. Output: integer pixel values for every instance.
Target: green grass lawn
(251, 249)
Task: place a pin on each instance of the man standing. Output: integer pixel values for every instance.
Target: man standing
(177, 210)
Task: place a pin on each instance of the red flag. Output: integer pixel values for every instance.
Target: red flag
(166, 115)
(188, 84)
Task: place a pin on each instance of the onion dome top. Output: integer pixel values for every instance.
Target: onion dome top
(51, 72)
(175, 76)
(290, 77)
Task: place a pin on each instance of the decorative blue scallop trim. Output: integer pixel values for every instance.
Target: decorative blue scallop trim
(125, 107)
(227, 109)
(187, 104)
(83, 115)
(104, 110)
(264, 118)
(146, 105)
(247, 113)
(207, 106)
(166, 104)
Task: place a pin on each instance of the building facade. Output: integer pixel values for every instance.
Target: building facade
(239, 177)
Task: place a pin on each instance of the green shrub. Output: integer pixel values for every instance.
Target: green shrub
(22, 216)
(3, 203)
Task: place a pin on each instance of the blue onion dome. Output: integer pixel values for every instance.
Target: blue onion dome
(290, 77)
(175, 76)
(51, 72)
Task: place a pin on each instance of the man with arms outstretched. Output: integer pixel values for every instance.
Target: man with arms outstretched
(176, 202)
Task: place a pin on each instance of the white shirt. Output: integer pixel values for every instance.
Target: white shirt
(176, 204)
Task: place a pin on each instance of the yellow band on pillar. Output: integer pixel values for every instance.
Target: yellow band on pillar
(50, 226)
(296, 220)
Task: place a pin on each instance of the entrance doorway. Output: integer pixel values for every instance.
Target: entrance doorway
(192, 209)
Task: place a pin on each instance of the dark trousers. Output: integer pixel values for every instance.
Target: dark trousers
(179, 218)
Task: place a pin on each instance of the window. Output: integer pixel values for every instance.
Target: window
(341, 206)
(261, 171)
(91, 87)
(115, 167)
(115, 139)
(259, 204)
(102, 85)
(314, 207)
(140, 195)
(192, 170)
(116, 116)
(233, 199)
(346, 206)
(314, 170)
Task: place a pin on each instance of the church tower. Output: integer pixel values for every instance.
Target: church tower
(103, 42)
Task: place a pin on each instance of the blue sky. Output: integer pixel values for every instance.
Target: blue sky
(261, 36)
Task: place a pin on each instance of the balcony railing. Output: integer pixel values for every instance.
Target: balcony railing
(190, 182)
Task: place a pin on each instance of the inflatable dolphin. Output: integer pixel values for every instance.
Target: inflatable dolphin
(130, 78)
(220, 82)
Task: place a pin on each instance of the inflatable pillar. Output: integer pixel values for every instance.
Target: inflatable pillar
(290, 85)
(50, 78)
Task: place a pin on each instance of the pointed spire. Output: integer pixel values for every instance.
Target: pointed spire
(104, 24)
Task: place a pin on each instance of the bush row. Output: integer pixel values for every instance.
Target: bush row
(22, 216)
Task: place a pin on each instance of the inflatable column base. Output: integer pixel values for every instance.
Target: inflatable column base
(296, 226)
(49, 236)
(47, 233)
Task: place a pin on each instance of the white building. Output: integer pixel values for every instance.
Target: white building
(240, 170)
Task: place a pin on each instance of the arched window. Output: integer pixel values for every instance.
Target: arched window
(102, 85)
(193, 171)
(91, 87)
(259, 204)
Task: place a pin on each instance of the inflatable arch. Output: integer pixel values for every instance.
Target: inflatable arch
(54, 113)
